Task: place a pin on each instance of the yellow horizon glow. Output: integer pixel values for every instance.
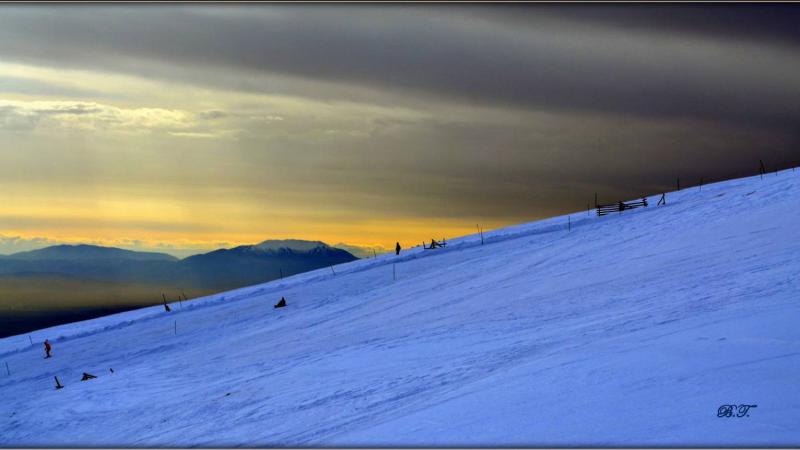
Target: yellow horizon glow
(159, 165)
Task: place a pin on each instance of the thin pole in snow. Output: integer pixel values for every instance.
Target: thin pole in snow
(569, 223)
(334, 272)
(30, 339)
(587, 210)
(701, 184)
(7, 369)
(175, 324)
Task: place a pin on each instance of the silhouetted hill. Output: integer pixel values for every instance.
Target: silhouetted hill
(249, 264)
(88, 279)
(83, 252)
(219, 269)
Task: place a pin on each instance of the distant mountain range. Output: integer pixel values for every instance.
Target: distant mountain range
(217, 270)
(84, 252)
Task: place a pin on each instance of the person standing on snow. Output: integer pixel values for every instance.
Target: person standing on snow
(47, 348)
(397, 249)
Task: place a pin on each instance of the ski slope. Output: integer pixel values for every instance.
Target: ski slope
(627, 330)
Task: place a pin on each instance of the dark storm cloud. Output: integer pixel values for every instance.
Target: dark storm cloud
(654, 61)
(775, 23)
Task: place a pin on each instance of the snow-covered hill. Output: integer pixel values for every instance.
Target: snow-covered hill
(629, 329)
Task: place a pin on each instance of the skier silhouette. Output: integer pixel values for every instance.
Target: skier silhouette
(47, 348)
(281, 303)
(397, 249)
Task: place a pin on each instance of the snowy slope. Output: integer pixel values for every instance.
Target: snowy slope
(630, 329)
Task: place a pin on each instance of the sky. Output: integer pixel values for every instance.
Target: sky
(184, 127)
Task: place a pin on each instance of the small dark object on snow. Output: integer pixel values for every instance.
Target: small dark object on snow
(87, 376)
(620, 206)
(111, 369)
(663, 200)
(281, 303)
(435, 244)
(58, 385)
(47, 348)
(397, 249)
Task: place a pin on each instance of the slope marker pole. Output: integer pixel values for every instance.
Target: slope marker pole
(7, 369)
(334, 272)
(569, 223)
(175, 324)
(30, 339)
